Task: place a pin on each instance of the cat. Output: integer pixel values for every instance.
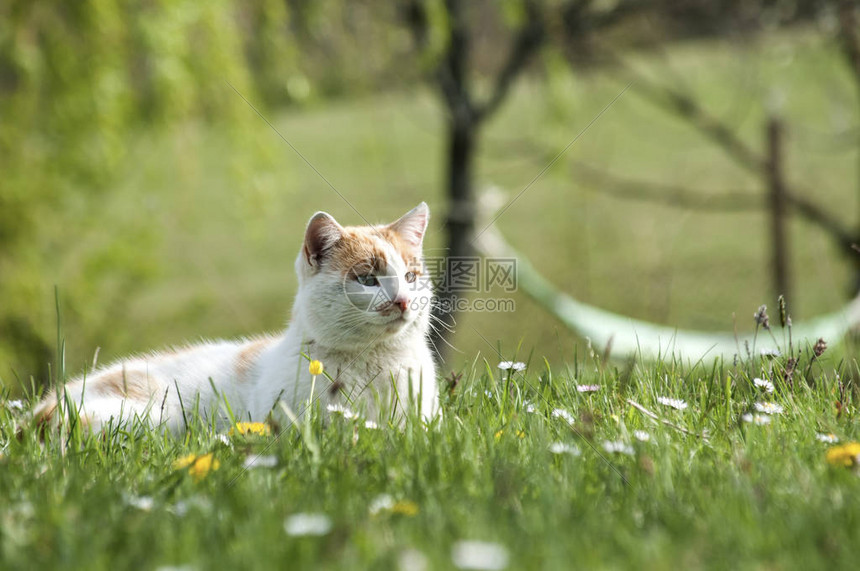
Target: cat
(362, 309)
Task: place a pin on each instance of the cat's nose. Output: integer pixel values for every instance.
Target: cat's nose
(401, 302)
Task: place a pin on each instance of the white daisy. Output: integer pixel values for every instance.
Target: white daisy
(200, 503)
(412, 560)
(587, 388)
(769, 407)
(563, 448)
(767, 386)
(641, 435)
(562, 413)
(342, 410)
(143, 503)
(677, 404)
(267, 461)
(14, 404)
(225, 440)
(617, 447)
(515, 365)
(530, 408)
(370, 424)
(479, 555)
(307, 524)
(767, 352)
(380, 503)
(828, 438)
(760, 419)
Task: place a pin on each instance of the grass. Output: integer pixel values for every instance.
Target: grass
(747, 496)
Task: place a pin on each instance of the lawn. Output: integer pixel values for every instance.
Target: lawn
(545, 471)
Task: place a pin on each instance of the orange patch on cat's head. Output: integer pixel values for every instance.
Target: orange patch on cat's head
(363, 248)
(410, 253)
(358, 250)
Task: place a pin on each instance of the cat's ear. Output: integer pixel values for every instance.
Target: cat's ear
(412, 225)
(323, 232)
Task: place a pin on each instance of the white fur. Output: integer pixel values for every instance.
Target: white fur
(367, 352)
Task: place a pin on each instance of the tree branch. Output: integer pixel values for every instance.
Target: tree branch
(712, 128)
(669, 195)
(414, 13)
(529, 38)
(850, 37)
(684, 106)
(796, 197)
(450, 74)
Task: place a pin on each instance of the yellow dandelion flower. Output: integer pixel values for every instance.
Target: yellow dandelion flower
(184, 462)
(316, 367)
(519, 433)
(250, 428)
(845, 455)
(405, 507)
(198, 466)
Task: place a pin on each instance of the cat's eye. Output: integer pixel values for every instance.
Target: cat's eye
(367, 280)
(410, 277)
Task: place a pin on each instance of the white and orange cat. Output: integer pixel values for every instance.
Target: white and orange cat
(362, 309)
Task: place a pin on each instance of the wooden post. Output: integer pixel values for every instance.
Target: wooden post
(777, 202)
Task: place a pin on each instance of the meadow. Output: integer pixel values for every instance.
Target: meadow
(643, 466)
(574, 461)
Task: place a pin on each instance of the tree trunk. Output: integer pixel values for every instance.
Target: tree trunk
(459, 225)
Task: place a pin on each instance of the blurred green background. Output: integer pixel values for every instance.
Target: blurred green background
(135, 180)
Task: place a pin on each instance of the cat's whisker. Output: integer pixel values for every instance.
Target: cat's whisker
(435, 320)
(441, 337)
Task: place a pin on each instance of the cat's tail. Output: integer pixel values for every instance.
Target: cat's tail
(50, 415)
(45, 413)
(90, 404)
